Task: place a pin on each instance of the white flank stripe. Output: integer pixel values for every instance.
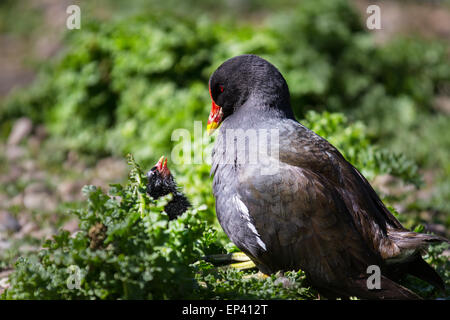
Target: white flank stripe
(244, 214)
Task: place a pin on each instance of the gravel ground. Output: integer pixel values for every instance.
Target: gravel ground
(35, 196)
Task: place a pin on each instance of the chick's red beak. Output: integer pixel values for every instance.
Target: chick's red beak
(161, 166)
(215, 116)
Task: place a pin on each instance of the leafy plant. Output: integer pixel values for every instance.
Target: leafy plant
(353, 141)
(126, 85)
(126, 249)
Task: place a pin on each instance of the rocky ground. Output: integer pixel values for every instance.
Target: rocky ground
(36, 196)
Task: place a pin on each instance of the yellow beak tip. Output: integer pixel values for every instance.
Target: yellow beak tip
(211, 127)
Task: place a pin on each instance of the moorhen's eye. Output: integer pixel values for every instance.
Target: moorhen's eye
(221, 88)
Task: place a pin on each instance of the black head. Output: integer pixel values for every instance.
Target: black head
(242, 77)
(160, 180)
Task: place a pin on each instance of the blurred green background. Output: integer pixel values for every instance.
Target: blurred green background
(75, 102)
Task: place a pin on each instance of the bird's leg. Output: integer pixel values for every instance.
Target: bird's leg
(236, 260)
(243, 265)
(227, 258)
(239, 256)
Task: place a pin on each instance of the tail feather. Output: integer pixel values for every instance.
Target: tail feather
(409, 261)
(422, 270)
(389, 290)
(414, 240)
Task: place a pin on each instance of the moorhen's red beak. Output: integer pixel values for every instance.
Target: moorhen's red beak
(215, 116)
(161, 166)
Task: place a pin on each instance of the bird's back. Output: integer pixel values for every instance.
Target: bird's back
(316, 212)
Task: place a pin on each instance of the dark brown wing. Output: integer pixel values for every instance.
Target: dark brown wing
(381, 231)
(303, 223)
(303, 148)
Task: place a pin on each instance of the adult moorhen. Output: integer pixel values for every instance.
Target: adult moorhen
(314, 211)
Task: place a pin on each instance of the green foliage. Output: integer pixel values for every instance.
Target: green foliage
(353, 141)
(128, 249)
(234, 284)
(140, 256)
(11, 9)
(124, 86)
(441, 262)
